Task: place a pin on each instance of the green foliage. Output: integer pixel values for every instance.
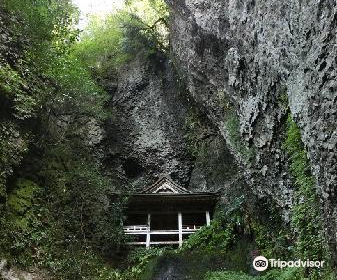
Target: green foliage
(101, 45)
(78, 196)
(22, 230)
(217, 236)
(20, 199)
(78, 95)
(285, 274)
(220, 234)
(77, 263)
(40, 78)
(45, 22)
(305, 213)
(292, 273)
(12, 147)
(61, 217)
(141, 263)
(228, 275)
(13, 85)
(272, 240)
(58, 217)
(139, 29)
(66, 223)
(153, 17)
(150, 265)
(48, 74)
(271, 234)
(18, 91)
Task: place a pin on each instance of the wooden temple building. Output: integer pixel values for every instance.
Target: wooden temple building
(166, 213)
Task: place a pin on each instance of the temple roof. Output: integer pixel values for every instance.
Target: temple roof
(165, 196)
(165, 186)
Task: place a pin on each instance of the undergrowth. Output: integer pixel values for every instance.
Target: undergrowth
(221, 233)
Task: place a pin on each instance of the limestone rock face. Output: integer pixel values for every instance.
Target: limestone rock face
(152, 129)
(145, 135)
(249, 57)
(214, 168)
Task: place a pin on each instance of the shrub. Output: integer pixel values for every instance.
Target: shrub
(286, 274)
(228, 275)
(219, 235)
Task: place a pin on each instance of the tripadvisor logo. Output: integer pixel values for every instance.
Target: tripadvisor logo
(260, 263)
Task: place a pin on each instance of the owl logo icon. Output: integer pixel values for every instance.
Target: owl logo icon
(260, 263)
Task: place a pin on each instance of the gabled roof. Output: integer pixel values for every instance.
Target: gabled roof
(165, 186)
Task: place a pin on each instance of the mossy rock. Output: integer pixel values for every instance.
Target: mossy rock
(191, 265)
(20, 200)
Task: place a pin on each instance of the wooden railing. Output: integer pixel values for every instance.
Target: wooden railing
(148, 232)
(139, 229)
(135, 228)
(191, 227)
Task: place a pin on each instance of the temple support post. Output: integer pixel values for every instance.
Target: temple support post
(208, 218)
(148, 235)
(180, 225)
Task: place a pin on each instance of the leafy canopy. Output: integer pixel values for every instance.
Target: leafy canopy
(139, 28)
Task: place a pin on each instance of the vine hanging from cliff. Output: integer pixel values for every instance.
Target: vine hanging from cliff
(305, 213)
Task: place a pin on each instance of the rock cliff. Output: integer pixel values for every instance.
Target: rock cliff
(145, 135)
(246, 63)
(155, 130)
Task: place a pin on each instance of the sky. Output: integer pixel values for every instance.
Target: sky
(97, 7)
